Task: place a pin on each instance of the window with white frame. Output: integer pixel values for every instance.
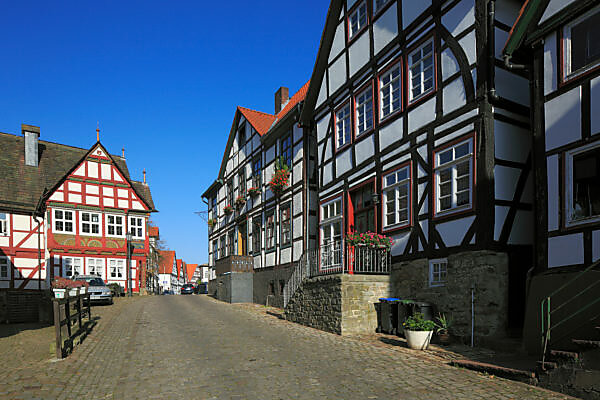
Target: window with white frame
(286, 224)
(223, 246)
(454, 177)
(256, 234)
(390, 91)
(3, 224)
(242, 182)
(95, 266)
(364, 110)
(89, 223)
(581, 45)
(331, 233)
(116, 269)
(72, 266)
(256, 172)
(582, 167)
(63, 221)
(420, 71)
(215, 249)
(4, 268)
(231, 243)
(378, 5)
(270, 229)
(115, 225)
(137, 227)
(396, 200)
(438, 272)
(342, 126)
(357, 20)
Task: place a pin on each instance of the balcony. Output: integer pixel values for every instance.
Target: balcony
(234, 263)
(339, 258)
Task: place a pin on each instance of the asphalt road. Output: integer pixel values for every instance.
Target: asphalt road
(195, 347)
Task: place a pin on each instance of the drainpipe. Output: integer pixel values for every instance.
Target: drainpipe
(491, 35)
(34, 214)
(472, 315)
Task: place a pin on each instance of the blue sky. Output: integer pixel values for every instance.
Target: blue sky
(162, 78)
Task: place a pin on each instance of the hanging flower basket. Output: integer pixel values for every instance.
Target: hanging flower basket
(253, 191)
(211, 222)
(280, 180)
(240, 201)
(370, 239)
(228, 209)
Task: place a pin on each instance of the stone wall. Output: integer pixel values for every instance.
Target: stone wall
(341, 304)
(262, 279)
(486, 271)
(235, 287)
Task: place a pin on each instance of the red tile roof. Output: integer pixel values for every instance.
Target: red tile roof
(153, 231)
(296, 98)
(166, 261)
(190, 269)
(179, 263)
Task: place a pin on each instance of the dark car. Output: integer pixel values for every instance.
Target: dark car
(188, 288)
(165, 292)
(201, 288)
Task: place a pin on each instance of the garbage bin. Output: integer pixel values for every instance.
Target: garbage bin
(405, 310)
(424, 308)
(387, 318)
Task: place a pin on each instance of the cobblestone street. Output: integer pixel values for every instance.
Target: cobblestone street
(198, 348)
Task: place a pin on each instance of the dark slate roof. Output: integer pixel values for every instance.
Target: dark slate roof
(21, 186)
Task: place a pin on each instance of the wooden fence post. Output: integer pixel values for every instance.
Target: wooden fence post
(57, 326)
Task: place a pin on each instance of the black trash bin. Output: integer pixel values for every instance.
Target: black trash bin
(405, 310)
(387, 318)
(424, 308)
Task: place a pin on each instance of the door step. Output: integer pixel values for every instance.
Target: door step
(496, 370)
(564, 355)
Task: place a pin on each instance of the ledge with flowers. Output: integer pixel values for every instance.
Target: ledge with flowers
(281, 177)
(369, 239)
(63, 287)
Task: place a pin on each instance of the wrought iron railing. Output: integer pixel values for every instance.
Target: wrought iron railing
(548, 324)
(337, 258)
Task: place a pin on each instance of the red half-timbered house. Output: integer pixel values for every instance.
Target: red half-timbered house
(69, 209)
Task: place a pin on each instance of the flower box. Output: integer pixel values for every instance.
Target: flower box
(73, 292)
(59, 293)
(228, 210)
(370, 239)
(280, 180)
(240, 201)
(211, 222)
(253, 191)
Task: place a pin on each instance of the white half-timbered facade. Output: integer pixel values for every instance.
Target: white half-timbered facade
(422, 134)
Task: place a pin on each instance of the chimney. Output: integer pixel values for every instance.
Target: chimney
(123, 152)
(144, 175)
(282, 96)
(32, 135)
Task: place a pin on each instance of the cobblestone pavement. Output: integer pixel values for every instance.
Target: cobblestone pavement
(198, 348)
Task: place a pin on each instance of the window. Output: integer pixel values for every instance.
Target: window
(364, 110)
(115, 225)
(230, 193)
(453, 176)
(342, 126)
(256, 172)
(582, 48)
(378, 5)
(286, 150)
(281, 286)
(420, 71)
(116, 269)
(270, 229)
(136, 227)
(242, 135)
(438, 272)
(95, 266)
(4, 268)
(213, 204)
(286, 225)
(390, 93)
(583, 184)
(223, 247)
(242, 182)
(71, 266)
(256, 234)
(396, 201)
(331, 234)
(215, 249)
(3, 224)
(230, 243)
(90, 223)
(63, 221)
(357, 20)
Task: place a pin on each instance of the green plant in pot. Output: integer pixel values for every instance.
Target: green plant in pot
(418, 331)
(442, 328)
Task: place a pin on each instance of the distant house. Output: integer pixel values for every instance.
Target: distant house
(167, 273)
(67, 211)
(152, 281)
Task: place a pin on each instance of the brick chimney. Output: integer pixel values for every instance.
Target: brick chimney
(32, 135)
(282, 96)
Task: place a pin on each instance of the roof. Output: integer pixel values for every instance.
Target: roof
(153, 231)
(179, 263)
(259, 120)
(190, 269)
(166, 261)
(23, 185)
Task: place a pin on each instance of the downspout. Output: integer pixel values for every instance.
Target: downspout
(491, 36)
(39, 245)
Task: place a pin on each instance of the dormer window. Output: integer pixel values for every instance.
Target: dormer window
(3, 225)
(582, 48)
(357, 20)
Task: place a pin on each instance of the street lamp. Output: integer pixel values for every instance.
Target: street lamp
(129, 264)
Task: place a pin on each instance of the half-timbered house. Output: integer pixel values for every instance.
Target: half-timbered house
(66, 211)
(260, 231)
(422, 135)
(557, 42)
(167, 273)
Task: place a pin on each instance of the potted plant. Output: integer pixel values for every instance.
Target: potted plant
(281, 177)
(63, 286)
(228, 209)
(253, 191)
(211, 222)
(442, 330)
(370, 239)
(418, 331)
(240, 201)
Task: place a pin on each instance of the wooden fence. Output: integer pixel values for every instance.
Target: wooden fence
(69, 312)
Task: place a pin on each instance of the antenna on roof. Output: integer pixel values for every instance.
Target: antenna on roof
(98, 131)
(202, 214)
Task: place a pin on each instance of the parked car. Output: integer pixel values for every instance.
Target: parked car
(201, 288)
(166, 292)
(187, 288)
(99, 292)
